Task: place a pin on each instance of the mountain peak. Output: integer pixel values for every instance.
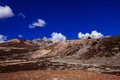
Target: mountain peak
(14, 40)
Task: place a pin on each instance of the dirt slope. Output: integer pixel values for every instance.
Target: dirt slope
(56, 75)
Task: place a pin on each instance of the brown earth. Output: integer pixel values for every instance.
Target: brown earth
(95, 55)
(56, 75)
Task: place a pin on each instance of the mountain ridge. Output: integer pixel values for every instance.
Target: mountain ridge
(99, 55)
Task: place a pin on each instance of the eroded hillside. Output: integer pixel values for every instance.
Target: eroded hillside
(98, 55)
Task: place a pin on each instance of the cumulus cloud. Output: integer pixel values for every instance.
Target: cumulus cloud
(94, 34)
(57, 37)
(5, 12)
(2, 38)
(38, 23)
(20, 36)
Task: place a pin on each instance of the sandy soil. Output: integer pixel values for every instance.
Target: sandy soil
(56, 75)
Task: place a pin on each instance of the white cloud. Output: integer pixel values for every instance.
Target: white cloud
(22, 15)
(94, 34)
(5, 12)
(57, 37)
(20, 36)
(81, 35)
(2, 38)
(39, 23)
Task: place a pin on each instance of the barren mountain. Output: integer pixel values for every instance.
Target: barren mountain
(16, 49)
(98, 55)
(63, 48)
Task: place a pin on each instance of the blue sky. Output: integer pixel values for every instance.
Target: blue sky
(68, 17)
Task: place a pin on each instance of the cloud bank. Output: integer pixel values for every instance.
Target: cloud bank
(5, 12)
(38, 23)
(2, 38)
(57, 37)
(94, 34)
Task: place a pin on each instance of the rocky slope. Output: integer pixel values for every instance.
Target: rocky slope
(99, 55)
(63, 48)
(16, 49)
(42, 42)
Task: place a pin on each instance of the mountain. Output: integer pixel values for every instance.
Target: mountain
(62, 48)
(42, 42)
(16, 49)
(98, 55)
